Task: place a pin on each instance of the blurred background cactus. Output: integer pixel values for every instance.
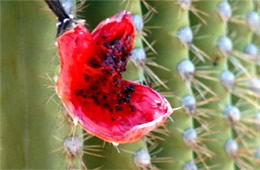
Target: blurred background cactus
(203, 55)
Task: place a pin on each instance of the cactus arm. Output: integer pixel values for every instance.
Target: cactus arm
(221, 132)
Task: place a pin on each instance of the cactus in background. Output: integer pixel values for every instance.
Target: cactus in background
(172, 47)
(35, 130)
(243, 34)
(218, 46)
(28, 120)
(203, 55)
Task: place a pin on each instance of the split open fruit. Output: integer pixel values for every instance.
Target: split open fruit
(91, 86)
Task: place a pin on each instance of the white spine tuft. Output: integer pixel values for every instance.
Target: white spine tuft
(251, 49)
(227, 79)
(186, 69)
(257, 154)
(138, 54)
(138, 22)
(190, 166)
(224, 10)
(142, 158)
(255, 85)
(232, 114)
(185, 4)
(253, 21)
(185, 35)
(225, 45)
(73, 145)
(190, 137)
(189, 104)
(257, 119)
(231, 147)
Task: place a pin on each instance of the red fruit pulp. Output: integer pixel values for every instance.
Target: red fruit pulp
(91, 86)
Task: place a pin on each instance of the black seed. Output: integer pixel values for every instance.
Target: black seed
(105, 105)
(131, 86)
(94, 86)
(118, 108)
(84, 96)
(120, 101)
(117, 49)
(104, 97)
(106, 44)
(132, 108)
(86, 77)
(77, 93)
(115, 42)
(96, 101)
(110, 56)
(104, 36)
(94, 63)
(113, 119)
(128, 95)
(111, 110)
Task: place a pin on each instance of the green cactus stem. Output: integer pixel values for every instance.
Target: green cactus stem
(28, 121)
(243, 38)
(217, 47)
(173, 55)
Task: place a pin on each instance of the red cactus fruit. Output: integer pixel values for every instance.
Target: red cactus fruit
(91, 86)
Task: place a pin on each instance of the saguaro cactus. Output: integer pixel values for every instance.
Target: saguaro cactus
(202, 55)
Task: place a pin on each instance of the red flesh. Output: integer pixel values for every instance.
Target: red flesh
(91, 86)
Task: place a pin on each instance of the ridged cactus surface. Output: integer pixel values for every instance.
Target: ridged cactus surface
(203, 56)
(28, 120)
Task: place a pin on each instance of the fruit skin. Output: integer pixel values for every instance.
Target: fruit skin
(126, 159)
(91, 87)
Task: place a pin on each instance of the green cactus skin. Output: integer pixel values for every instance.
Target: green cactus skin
(243, 37)
(221, 131)
(28, 121)
(125, 152)
(121, 157)
(171, 52)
